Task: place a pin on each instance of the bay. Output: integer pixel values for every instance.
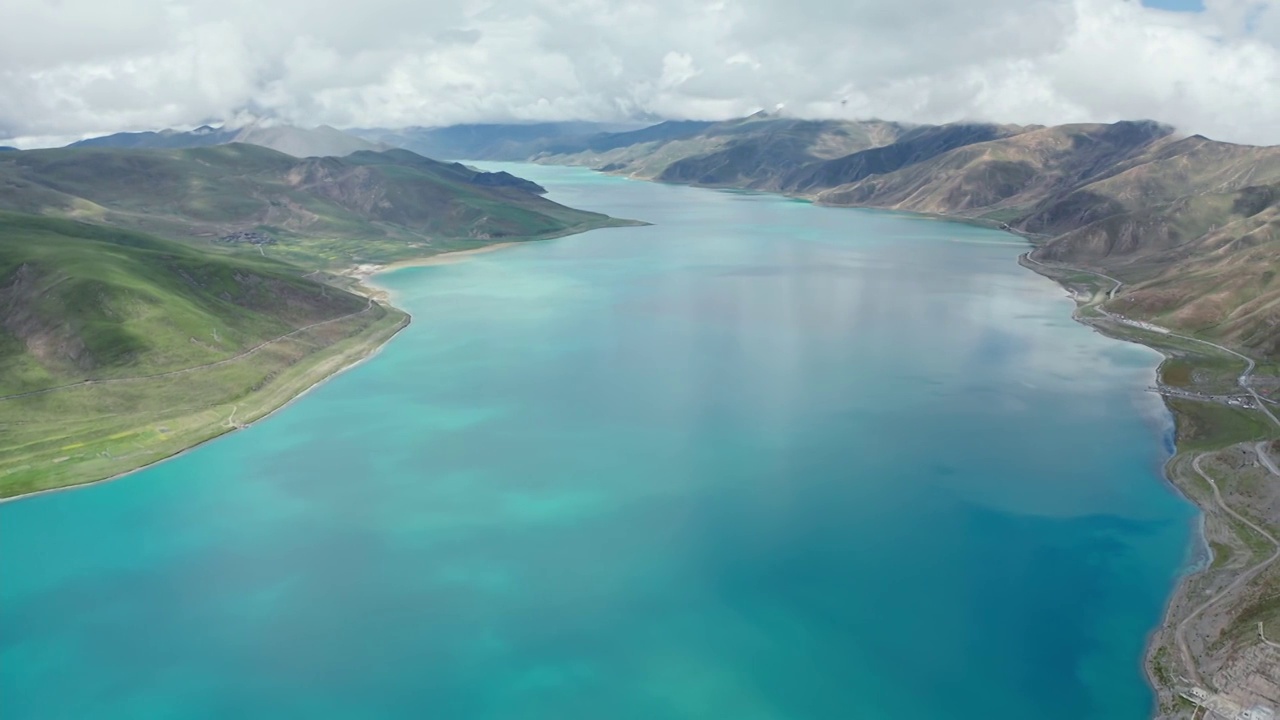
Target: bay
(761, 459)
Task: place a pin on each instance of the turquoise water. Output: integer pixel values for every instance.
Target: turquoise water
(759, 460)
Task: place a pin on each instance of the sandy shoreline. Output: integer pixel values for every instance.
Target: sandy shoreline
(364, 272)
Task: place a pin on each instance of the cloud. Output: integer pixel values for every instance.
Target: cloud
(78, 67)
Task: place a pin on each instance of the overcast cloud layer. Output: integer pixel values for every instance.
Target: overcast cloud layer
(71, 68)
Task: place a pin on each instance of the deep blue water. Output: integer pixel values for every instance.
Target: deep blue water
(759, 460)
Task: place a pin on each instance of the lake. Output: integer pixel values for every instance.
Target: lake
(759, 460)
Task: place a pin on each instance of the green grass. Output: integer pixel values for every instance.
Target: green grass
(1203, 426)
(111, 272)
(87, 433)
(1264, 608)
(1221, 555)
(88, 302)
(325, 212)
(1004, 215)
(91, 302)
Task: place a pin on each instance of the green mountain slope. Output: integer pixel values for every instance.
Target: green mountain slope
(88, 301)
(119, 348)
(320, 212)
(322, 141)
(151, 299)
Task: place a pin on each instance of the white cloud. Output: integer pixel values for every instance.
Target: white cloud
(77, 67)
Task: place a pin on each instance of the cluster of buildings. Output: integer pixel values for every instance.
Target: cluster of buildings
(1224, 708)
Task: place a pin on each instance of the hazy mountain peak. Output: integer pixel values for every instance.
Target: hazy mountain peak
(299, 142)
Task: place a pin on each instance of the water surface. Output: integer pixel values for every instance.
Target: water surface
(759, 460)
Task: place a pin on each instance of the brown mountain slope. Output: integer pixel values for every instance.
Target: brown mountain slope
(1002, 176)
(1190, 225)
(756, 151)
(1187, 223)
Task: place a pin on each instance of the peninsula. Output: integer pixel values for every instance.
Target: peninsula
(156, 298)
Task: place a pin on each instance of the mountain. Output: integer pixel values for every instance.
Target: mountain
(83, 300)
(151, 299)
(317, 211)
(6, 148)
(300, 142)
(489, 141)
(119, 348)
(752, 152)
(1189, 225)
(203, 136)
(321, 141)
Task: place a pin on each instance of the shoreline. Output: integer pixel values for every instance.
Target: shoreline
(1198, 563)
(373, 351)
(364, 275)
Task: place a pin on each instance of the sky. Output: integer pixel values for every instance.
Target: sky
(77, 68)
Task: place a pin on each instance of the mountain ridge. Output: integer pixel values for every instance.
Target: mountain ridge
(327, 211)
(319, 141)
(1135, 200)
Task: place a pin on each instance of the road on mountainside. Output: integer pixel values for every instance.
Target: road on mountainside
(368, 306)
(1111, 295)
(1240, 580)
(1261, 450)
(1243, 381)
(1265, 641)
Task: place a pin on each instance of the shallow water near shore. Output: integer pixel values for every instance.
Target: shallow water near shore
(759, 460)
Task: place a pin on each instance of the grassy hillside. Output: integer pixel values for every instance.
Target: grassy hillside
(88, 301)
(151, 299)
(118, 348)
(318, 212)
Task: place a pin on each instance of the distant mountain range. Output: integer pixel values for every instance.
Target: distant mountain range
(1192, 226)
(1189, 224)
(491, 142)
(320, 141)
